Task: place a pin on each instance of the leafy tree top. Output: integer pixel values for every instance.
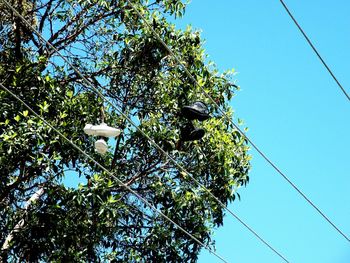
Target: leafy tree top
(100, 220)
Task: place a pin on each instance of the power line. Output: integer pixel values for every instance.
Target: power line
(112, 175)
(145, 135)
(314, 49)
(236, 126)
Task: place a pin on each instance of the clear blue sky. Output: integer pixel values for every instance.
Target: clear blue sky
(296, 114)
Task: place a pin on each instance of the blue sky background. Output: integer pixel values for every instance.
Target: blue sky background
(296, 114)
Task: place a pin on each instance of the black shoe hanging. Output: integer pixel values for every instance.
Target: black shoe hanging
(190, 133)
(197, 111)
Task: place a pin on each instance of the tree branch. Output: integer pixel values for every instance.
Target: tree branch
(70, 38)
(43, 18)
(17, 29)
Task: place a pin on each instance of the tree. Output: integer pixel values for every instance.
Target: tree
(99, 220)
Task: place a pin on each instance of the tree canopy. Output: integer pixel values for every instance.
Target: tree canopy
(99, 220)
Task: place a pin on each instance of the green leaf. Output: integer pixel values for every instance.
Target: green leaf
(63, 115)
(111, 200)
(69, 94)
(44, 106)
(110, 183)
(42, 59)
(18, 68)
(96, 177)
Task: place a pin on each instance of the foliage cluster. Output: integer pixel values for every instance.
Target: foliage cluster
(99, 220)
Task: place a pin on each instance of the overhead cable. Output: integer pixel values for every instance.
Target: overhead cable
(315, 50)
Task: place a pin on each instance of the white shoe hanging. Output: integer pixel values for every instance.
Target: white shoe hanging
(101, 130)
(101, 146)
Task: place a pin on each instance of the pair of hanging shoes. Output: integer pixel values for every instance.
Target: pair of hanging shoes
(197, 111)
